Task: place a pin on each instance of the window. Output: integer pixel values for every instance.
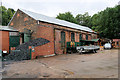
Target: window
(13, 33)
(90, 37)
(86, 37)
(62, 39)
(72, 37)
(80, 37)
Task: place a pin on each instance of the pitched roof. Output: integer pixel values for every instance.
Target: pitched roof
(7, 28)
(44, 18)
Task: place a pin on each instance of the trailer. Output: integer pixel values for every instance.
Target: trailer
(82, 49)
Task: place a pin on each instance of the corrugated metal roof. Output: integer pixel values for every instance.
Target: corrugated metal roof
(44, 18)
(7, 28)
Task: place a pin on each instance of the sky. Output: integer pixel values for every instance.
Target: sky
(53, 7)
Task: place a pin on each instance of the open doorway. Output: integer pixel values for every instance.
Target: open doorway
(25, 36)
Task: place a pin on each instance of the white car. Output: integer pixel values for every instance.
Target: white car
(107, 46)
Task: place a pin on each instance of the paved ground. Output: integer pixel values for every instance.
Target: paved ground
(103, 64)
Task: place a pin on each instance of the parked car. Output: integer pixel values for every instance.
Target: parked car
(107, 46)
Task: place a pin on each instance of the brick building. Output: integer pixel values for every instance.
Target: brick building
(116, 43)
(32, 26)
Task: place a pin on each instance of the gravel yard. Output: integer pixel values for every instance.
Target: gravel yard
(103, 64)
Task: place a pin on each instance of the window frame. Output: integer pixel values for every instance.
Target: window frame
(80, 37)
(72, 36)
(86, 36)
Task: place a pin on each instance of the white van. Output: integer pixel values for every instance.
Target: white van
(107, 46)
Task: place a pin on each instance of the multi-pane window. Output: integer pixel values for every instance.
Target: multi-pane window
(13, 33)
(86, 37)
(80, 36)
(72, 37)
(62, 39)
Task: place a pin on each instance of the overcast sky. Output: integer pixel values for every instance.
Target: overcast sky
(54, 7)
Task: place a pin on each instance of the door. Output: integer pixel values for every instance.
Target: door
(14, 39)
(59, 42)
(62, 40)
(26, 37)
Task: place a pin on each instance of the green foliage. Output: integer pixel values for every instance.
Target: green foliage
(5, 15)
(84, 20)
(67, 16)
(107, 22)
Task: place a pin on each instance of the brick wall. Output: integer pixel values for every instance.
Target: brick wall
(68, 36)
(46, 33)
(45, 30)
(94, 36)
(89, 37)
(84, 36)
(22, 20)
(46, 49)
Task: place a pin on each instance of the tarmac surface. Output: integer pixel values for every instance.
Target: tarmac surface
(103, 64)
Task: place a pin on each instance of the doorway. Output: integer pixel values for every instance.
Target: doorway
(27, 37)
(59, 41)
(62, 40)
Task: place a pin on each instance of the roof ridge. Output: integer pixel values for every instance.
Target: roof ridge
(41, 17)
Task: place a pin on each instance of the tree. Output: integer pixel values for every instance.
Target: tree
(107, 22)
(6, 15)
(84, 20)
(67, 16)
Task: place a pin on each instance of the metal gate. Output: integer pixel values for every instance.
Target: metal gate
(14, 41)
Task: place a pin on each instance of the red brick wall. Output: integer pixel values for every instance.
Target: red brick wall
(89, 37)
(21, 21)
(68, 37)
(46, 49)
(94, 36)
(4, 40)
(46, 33)
(84, 36)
